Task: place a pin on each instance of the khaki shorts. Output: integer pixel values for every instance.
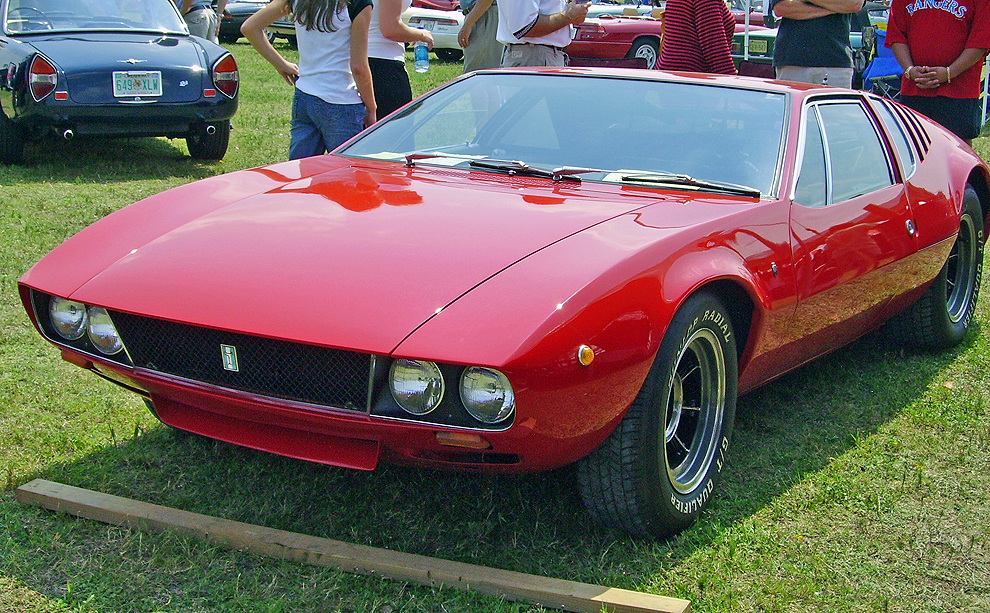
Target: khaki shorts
(202, 23)
(527, 54)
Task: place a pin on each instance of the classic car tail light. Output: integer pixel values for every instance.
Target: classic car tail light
(42, 77)
(417, 22)
(589, 31)
(226, 78)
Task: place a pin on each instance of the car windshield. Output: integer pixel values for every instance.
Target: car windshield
(43, 16)
(645, 132)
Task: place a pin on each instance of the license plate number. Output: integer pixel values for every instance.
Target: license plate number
(757, 46)
(134, 83)
(427, 25)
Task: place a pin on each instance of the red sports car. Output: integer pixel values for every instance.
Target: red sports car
(489, 281)
(615, 37)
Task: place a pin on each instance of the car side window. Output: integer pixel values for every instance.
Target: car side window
(858, 161)
(812, 184)
(844, 157)
(896, 130)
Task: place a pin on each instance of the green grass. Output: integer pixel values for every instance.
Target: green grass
(857, 483)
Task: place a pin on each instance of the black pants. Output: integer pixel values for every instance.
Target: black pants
(391, 82)
(960, 115)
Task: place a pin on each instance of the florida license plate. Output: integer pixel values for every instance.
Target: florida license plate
(128, 83)
(758, 46)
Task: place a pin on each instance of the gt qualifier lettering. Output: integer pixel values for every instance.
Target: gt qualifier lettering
(694, 505)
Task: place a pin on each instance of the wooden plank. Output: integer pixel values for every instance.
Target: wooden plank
(544, 591)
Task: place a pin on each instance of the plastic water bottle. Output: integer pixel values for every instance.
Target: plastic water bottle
(422, 56)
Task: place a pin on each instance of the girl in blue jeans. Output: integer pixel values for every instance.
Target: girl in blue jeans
(334, 96)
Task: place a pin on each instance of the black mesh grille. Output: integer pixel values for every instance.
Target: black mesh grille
(281, 369)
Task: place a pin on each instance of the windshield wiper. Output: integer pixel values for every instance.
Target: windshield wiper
(412, 158)
(669, 178)
(515, 167)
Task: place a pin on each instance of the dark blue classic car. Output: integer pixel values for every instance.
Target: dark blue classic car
(111, 68)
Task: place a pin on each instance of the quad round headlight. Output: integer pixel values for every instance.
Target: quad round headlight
(68, 318)
(102, 332)
(487, 394)
(416, 386)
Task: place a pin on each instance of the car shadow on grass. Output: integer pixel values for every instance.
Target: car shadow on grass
(91, 159)
(785, 431)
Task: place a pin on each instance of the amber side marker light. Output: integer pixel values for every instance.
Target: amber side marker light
(463, 439)
(585, 355)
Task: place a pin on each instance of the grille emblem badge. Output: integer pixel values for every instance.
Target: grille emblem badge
(229, 355)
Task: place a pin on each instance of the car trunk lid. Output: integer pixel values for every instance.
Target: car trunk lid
(173, 63)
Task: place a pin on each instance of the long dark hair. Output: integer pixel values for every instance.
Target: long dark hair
(316, 14)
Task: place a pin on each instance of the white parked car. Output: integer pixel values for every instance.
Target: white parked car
(443, 24)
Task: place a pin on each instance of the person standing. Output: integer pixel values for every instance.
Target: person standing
(200, 17)
(812, 44)
(697, 37)
(941, 46)
(387, 53)
(478, 35)
(334, 97)
(535, 32)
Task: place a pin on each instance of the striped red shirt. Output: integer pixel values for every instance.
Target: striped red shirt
(697, 37)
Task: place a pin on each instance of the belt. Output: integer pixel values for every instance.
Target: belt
(554, 47)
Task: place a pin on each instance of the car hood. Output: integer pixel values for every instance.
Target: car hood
(354, 256)
(88, 59)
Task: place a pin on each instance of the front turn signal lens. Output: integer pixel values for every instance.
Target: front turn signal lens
(463, 439)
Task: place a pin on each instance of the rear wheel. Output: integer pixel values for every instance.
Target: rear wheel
(646, 48)
(11, 141)
(449, 55)
(207, 144)
(656, 472)
(943, 315)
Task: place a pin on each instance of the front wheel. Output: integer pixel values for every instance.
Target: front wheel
(209, 142)
(657, 471)
(943, 315)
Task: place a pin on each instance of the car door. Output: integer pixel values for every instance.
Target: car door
(851, 226)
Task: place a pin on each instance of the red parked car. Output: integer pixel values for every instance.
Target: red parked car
(614, 37)
(488, 281)
(438, 5)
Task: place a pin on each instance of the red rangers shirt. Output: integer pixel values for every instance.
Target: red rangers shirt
(936, 32)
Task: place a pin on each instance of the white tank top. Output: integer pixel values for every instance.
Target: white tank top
(381, 47)
(325, 62)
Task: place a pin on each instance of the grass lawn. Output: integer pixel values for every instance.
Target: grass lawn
(859, 483)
